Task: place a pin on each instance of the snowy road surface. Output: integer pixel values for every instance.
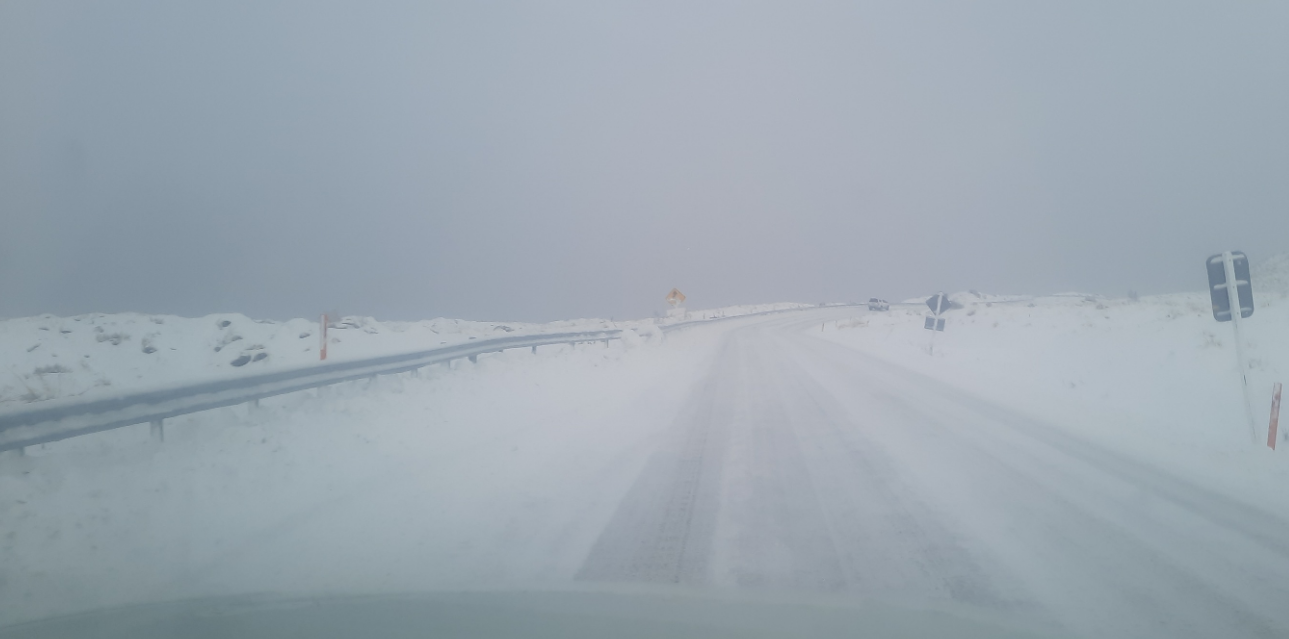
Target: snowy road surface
(747, 457)
(798, 466)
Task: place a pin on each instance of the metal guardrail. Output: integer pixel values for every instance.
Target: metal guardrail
(58, 419)
(54, 420)
(709, 320)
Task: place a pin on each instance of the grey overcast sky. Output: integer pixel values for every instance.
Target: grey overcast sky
(545, 160)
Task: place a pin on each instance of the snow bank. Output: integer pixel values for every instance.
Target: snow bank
(47, 357)
(453, 463)
(1156, 376)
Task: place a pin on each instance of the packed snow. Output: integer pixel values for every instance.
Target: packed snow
(1156, 375)
(531, 471)
(115, 518)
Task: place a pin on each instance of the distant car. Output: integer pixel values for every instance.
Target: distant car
(875, 304)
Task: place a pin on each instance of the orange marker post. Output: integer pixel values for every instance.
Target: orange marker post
(323, 352)
(1275, 417)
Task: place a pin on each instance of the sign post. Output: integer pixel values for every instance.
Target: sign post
(675, 298)
(938, 304)
(1231, 292)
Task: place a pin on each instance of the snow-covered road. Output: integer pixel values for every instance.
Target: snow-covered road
(929, 494)
(800, 466)
(750, 456)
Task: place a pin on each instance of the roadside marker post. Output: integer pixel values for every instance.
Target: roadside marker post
(1275, 417)
(1231, 291)
(322, 353)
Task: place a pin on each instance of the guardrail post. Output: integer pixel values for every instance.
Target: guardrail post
(534, 350)
(158, 430)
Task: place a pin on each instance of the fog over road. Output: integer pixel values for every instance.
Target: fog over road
(747, 456)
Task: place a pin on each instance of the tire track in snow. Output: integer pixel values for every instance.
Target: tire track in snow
(1109, 546)
(773, 533)
(662, 529)
(896, 545)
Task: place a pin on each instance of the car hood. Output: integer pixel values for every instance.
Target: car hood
(530, 614)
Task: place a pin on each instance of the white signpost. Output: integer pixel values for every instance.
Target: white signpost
(1231, 291)
(938, 304)
(676, 298)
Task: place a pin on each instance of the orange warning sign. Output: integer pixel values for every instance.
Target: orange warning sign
(675, 297)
